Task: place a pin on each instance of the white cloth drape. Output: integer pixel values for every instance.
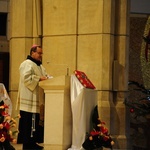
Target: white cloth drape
(83, 101)
(4, 96)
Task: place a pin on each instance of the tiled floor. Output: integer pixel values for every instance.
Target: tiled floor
(19, 146)
(46, 147)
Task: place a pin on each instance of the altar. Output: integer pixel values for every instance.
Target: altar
(68, 109)
(83, 102)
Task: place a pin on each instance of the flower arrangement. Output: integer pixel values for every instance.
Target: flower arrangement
(8, 128)
(99, 136)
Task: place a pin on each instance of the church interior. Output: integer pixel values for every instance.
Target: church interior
(108, 41)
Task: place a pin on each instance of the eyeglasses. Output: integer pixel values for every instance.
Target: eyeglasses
(40, 53)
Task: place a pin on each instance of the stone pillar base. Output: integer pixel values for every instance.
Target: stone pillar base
(122, 142)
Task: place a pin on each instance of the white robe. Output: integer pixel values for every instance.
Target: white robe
(28, 95)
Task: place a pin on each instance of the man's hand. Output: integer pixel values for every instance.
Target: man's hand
(43, 78)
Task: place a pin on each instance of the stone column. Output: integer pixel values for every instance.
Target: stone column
(23, 33)
(121, 121)
(102, 52)
(112, 108)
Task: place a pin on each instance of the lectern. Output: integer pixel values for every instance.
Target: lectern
(58, 116)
